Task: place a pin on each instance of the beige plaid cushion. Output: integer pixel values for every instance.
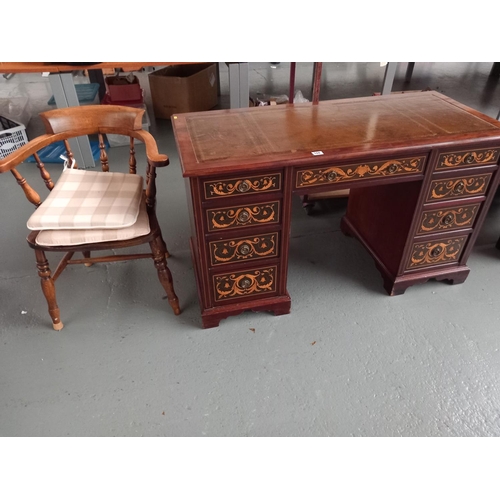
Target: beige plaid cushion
(83, 199)
(61, 237)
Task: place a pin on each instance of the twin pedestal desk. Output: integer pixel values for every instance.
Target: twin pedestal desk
(422, 170)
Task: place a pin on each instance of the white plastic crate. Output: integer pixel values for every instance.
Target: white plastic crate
(12, 136)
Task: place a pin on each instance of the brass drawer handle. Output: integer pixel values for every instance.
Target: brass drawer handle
(459, 187)
(244, 249)
(243, 187)
(469, 158)
(243, 216)
(331, 176)
(436, 251)
(392, 168)
(432, 253)
(447, 219)
(245, 283)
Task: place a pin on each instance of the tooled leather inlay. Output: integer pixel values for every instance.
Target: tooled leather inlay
(237, 250)
(258, 214)
(445, 219)
(240, 284)
(329, 175)
(436, 252)
(232, 187)
(458, 187)
(465, 158)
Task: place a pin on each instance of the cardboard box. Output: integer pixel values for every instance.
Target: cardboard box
(183, 88)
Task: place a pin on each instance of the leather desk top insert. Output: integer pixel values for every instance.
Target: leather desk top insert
(409, 160)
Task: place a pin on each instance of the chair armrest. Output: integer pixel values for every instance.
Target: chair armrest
(154, 158)
(25, 151)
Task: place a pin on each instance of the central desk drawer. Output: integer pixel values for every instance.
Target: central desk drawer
(250, 214)
(244, 249)
(245, 284)
(226, 188)
(458, 187)
(328, 175)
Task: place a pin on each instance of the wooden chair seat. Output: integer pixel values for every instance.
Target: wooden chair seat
(125, 216)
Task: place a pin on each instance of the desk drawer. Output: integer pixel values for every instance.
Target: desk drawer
(344, 173)
(225, 188)
(467, 158)
(448, 219)
(250, 214)
(438, 251)
(243, 249)
(242, 284)
(458, 187)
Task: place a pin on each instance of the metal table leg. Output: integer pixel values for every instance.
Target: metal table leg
(409, 72)
(239, 87)
(390, 72)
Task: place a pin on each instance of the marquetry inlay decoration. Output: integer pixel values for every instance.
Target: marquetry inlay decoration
(257, 214)
(248, 185)
(467, 158)
(458, 187)
(436, 252)
(243, 249)
(333, 175)
(448, 219)
(245, 283)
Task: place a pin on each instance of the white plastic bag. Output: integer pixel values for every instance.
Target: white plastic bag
(299, 97)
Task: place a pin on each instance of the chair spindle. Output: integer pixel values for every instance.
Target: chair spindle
(71, 157)
(45, 175)
(132, 161)
(30, 193)
(150, 185)
(103, 155)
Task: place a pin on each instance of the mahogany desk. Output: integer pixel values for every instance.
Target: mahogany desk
(422, 170)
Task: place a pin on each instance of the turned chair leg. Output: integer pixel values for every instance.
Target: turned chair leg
(159, 251)
(48, 288)
(167, 253)
(86, 255)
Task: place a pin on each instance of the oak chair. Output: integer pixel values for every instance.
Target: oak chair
(89, 210)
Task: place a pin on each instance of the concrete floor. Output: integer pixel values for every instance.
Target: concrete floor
(348, 361)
